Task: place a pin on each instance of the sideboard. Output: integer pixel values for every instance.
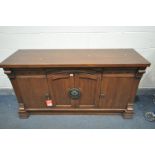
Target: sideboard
(75, 81)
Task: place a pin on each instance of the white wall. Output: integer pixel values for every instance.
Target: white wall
(140, 38)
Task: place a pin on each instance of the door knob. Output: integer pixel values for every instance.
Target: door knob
(74, 93)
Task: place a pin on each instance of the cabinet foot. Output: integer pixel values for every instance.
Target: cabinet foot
(22, 112)
(129, 111)
(127, 115)
(23, 115)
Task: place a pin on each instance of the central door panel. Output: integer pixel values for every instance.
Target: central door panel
(59, 85)
(74, 89)
(89, 86)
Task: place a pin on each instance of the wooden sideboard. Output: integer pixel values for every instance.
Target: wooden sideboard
(75, 81)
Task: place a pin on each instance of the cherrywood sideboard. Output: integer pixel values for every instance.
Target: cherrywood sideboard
(75, 81)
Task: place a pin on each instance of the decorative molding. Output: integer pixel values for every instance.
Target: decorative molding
(139, 73)
(130, 107)
(21, 107)
(73, 71)
(9, 73)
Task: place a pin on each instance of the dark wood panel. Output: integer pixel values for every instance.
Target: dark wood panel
(89, 85)
(33, 90)
(29, 71)
(75, 58)
(59, 85)
(116, 90)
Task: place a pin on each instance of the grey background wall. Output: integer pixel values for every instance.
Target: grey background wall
(140, 38)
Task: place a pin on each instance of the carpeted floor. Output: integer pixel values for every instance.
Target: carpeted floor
(9, 117)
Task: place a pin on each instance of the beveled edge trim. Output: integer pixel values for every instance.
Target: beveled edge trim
(74, 110)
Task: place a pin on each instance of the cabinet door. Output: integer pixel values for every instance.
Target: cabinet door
(33, 89)
(116, 90)
(89, 86)
(59, 85)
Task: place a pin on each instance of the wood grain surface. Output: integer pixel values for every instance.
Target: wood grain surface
(75, 58)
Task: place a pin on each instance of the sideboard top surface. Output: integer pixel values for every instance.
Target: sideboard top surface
(36, 58)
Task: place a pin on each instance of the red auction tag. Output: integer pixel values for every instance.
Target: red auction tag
(49, 103)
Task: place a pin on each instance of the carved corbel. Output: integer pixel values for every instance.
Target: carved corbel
(140, 73)
(9, 73)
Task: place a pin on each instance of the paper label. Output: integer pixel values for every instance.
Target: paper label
(49, 103)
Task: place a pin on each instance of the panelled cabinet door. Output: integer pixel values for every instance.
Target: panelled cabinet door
(89, 86)
(59, 85)
(33, 89)
(116, 90)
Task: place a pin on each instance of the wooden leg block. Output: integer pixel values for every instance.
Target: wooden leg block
(129, 111)
(127, 115)
(23, 115)
(22, 112)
